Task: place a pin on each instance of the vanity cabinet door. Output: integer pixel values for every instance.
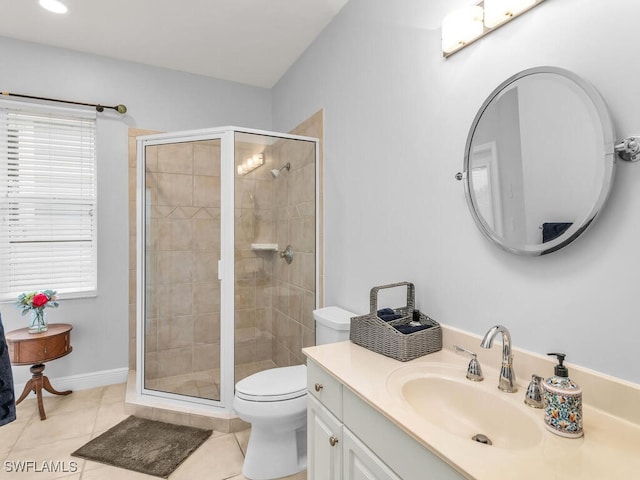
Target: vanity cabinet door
(324, 443)
(360, 463)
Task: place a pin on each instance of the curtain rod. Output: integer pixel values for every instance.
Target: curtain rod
(100, 108)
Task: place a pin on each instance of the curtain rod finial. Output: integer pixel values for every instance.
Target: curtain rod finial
(121, 109)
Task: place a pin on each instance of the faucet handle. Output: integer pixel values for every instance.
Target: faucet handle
(474, 371)
(533, 397)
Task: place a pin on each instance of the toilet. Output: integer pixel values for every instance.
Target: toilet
(274, 401)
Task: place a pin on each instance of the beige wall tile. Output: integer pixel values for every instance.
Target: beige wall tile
(205, 266)
(181, 237)
(264, 194)
(265, 227)
(181, 267)
(180, 299)
(295, 303)
(206, 357)
(151, 158)
(206, 158)
(294, 337)
(281, 356)
(206, 328)
(245, 318)
(175, 189)
(206, 297)
(206, 191)
(151, 366)
(245, 191)
(175, 332)
(132, 286)
(206, 234)
(175, 158)
(245, 352)
(245, 295)
(264, 320)
(308, 305)
(309, 271)
(175, 362)
(264, 291)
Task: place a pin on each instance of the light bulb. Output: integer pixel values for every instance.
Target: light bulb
(460, 27)
(54, 6)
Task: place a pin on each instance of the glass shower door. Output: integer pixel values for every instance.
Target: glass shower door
(182, 235)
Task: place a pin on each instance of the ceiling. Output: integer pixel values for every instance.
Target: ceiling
(247, 41)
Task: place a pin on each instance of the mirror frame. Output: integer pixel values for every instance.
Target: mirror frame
(609, 159)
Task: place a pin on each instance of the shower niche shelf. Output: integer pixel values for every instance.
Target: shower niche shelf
(265, 247)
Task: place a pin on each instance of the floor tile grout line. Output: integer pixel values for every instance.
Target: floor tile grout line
(238, 443)
(15, 442)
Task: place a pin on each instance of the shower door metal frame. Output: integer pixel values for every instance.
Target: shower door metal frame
(226, 270)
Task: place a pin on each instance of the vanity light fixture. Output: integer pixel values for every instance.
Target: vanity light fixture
(251, 164)
(54, 6)
(463, 27)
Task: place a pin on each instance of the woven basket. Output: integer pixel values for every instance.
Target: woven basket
(379, 336)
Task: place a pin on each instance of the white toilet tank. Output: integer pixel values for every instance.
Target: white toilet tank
(332, 324)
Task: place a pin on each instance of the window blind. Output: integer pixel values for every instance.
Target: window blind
(47, 201)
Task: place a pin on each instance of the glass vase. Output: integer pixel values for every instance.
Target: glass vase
(38, 321)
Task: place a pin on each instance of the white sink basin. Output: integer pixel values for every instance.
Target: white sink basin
(441, 395)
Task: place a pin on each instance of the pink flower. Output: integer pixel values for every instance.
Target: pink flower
(39, 300)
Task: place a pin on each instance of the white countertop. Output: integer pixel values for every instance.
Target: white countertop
(610, 448)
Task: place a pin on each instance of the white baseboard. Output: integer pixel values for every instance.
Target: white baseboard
(83, 381)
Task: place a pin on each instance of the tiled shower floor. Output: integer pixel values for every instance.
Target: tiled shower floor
(203, 384)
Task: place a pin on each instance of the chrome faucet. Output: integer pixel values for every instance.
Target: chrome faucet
(507, 381)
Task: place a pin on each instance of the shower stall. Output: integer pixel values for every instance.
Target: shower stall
(227, 273)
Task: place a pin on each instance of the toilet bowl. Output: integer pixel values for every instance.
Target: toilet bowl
(274, 401)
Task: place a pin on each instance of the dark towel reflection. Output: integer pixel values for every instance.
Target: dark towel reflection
(552, 230)
(7, 396)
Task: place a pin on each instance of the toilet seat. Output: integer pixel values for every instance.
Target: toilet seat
(276, 384)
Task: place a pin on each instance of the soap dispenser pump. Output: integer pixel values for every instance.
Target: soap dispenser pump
(562, 402)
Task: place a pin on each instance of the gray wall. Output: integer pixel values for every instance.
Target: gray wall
(157, 99)
(396, 121)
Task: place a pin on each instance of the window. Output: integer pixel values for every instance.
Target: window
(47, 200)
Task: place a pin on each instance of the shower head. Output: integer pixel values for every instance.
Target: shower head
(276, 171)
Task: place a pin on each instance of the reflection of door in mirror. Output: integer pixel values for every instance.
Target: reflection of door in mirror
(486, 184)
(501, 128)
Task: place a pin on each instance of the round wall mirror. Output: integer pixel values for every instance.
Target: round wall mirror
(539, 161)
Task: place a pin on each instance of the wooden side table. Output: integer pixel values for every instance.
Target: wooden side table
(35, 349)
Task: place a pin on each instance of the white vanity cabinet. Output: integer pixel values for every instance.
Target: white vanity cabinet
(349, 440)
(324, 443)
(360, 463)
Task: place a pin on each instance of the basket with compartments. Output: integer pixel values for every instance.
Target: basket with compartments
(402, 333)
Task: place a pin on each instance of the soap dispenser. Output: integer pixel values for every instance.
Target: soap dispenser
(562, 402)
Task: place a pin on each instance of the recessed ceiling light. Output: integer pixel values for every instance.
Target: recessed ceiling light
(54, 6)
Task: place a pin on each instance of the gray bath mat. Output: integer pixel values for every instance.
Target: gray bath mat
(145, 446)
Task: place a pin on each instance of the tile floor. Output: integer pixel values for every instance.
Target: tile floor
(75, 419)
